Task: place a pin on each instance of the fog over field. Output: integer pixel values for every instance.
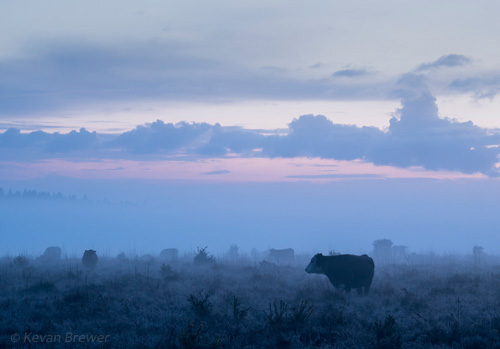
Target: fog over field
(347, 216)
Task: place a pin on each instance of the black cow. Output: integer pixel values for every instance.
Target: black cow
(89, 259)
(51, 254)
(345, 269)
(169, 254)
(282, 257)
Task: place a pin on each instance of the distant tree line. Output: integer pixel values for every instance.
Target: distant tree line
(37, 195)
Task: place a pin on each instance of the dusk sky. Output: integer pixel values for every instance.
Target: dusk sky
(307, 124)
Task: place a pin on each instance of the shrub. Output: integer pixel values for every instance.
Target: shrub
(168, 273)
(238, 311)
(192, 338)
(387, 334)
(20, 262)
(201, 304)
(301, 313)
(202, 258)
(277, 314)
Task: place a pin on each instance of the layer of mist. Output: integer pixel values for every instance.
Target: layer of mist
(346, 216)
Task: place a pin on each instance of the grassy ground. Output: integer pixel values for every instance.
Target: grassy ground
(433, 302)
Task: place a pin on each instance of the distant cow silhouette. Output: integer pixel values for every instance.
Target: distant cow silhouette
(382, 251)
(89, 259)
(345, 269)
(268, 266)
(51, 254)
(284, 256)
(169, 254)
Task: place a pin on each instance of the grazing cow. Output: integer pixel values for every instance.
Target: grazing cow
(282, 257)
(345, 269)
(268, 266)
(51, 254)
(169, 254)
(89, 259)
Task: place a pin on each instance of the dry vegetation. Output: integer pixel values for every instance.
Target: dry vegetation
(432, 301)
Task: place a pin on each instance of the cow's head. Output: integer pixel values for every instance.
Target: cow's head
(314, 266)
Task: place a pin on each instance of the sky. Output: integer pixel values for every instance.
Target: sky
(326, 95)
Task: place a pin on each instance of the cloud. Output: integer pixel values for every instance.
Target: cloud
(317, 65)
(480, 87)
(351, 73)
(417, 137)
(447, 61)
(162, 137)
(72, 141)
(232, 139)
(49, 142)
(65, 75)
(59, 75)
(316, 136)
(13, 138)
(215, 172)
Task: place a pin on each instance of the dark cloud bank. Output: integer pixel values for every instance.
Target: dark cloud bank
(58, 75)
(55, 76)
(416, 137)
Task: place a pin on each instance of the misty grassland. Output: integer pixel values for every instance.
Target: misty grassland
(427, 301)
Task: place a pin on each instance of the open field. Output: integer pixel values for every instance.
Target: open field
(429, 301)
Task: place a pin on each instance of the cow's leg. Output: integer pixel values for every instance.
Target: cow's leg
(367, 290)
(347, 290)
(359, 291)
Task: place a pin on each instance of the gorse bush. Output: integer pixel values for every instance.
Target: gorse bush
(202, 258)
(20, 262)
(277, 314)
(238, 311)
(387, 334)
(201, 304)
(192, 337)
(282, 315)
(301, 313)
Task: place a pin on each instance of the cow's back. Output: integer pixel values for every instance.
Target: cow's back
(284, 256)
(169, 254)
(350, 270)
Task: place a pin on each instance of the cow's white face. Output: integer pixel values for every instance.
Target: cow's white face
(313, 267)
